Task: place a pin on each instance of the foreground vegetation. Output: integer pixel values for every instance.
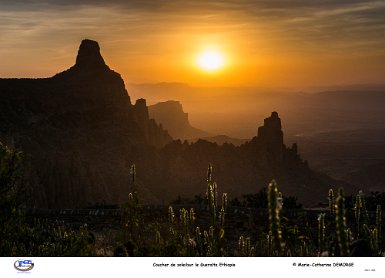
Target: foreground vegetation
(40, 238)
(181, 235)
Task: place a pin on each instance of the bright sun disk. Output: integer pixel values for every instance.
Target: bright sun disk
(211, 60)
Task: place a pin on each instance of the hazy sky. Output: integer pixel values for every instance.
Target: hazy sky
(274, 43)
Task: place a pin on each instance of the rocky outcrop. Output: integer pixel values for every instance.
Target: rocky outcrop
(172, 117)
(270, 138)
(78, 130)
(247, 168)
(152, 132)
(89, 56)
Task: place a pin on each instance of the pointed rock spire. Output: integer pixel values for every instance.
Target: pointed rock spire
(270, 136)
(89, 55)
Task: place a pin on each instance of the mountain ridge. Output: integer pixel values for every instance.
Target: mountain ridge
(80, 134)
(73, 128)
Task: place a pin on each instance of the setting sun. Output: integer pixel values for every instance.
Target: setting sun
(211, 60)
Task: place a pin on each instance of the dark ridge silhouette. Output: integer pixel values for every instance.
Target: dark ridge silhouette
(80, 134)
(78, 130)
(222, 139)
(247, 168)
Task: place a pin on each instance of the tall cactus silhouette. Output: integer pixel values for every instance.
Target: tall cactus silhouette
(341, 227)
(331, 202)
(274, 217)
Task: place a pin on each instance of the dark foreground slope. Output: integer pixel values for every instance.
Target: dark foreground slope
(80, 134)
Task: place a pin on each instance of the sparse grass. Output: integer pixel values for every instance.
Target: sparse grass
(39, 238)
(181, 235)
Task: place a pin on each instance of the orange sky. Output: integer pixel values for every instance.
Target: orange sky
(268, 43)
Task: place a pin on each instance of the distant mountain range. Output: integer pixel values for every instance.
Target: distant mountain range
(235, 111)
(340, 130)
(80, 134)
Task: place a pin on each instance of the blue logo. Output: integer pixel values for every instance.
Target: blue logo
(24, 265)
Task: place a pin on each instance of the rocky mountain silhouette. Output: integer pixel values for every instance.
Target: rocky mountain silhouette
(172, 117)
(80, 134)
(77, 130)
(247, 168)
